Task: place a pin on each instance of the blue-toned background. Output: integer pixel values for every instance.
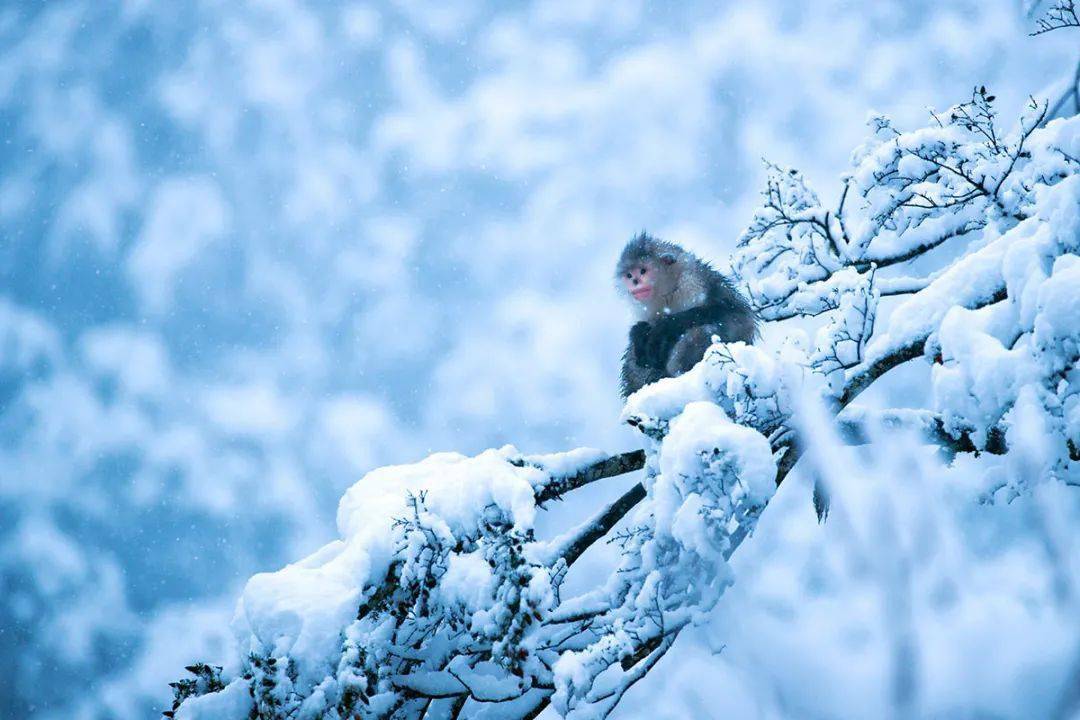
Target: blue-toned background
(250, 250)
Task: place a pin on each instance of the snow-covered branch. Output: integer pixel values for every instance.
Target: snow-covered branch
(857, 426)
(956, 243)
(919, 191)
(605, 467)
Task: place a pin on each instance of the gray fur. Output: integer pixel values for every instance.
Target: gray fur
(691, 284)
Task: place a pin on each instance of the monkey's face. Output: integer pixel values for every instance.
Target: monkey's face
(640, 281)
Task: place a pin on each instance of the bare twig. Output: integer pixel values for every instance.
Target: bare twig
(1063, 14)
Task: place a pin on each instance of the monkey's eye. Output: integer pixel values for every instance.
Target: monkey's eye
(629, 275)
(642, 271)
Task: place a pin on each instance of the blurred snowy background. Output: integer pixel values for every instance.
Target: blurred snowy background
(249, 251)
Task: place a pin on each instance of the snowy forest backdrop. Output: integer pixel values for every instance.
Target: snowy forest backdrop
(251, 252)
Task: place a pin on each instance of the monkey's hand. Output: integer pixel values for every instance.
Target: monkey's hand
(639, 343)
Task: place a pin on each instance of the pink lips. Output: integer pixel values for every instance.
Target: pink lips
(642, 293)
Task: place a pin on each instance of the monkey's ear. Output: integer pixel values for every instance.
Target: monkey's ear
(668, 258)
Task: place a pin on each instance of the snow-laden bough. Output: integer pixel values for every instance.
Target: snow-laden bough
(953, 244)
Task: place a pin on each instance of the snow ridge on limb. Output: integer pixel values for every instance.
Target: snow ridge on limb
(440, 600)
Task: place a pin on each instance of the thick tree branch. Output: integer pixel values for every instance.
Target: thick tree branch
(599, 526)
(608, 467)
(856, 431)
(865, 375)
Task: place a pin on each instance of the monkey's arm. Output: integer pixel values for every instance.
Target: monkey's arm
(669, 329)
(639, 344)
(731, 324)
(639, 367)
(635, 375)
(690, 348)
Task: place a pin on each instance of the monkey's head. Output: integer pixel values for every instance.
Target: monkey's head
(648, 269)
